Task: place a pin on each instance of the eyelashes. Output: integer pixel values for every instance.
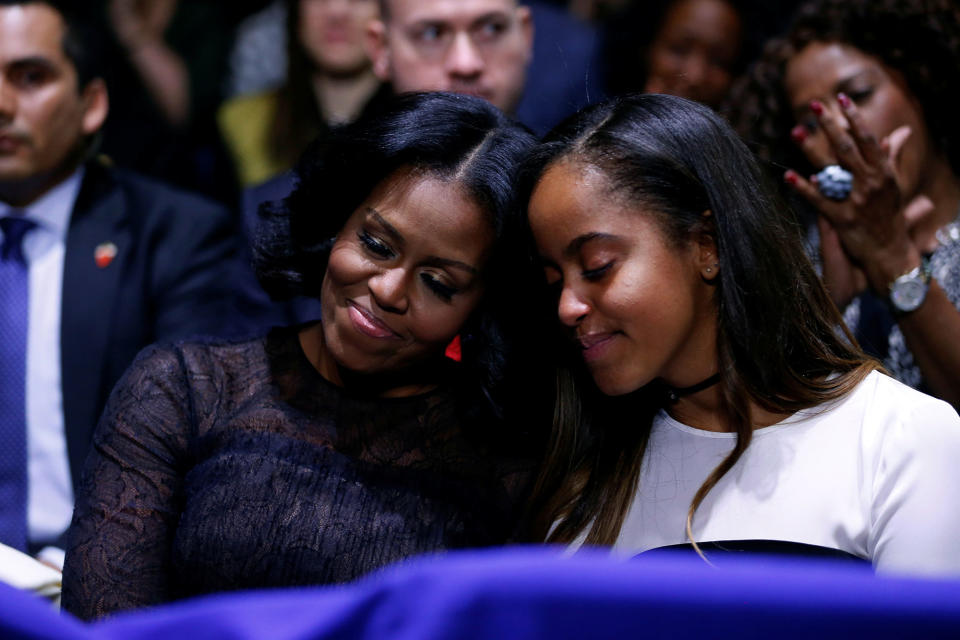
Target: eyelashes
(374, 245)
(381, 250)
(859, 96)
(445, 292)
(555, 284)
(862, 95)
(596, 274)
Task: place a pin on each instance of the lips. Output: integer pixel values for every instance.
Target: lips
(336, 36)
(9, 143)
(595, 345)
(366, 323)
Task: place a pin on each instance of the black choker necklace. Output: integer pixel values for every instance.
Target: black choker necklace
(674, 394)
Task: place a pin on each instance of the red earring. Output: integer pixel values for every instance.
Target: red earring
(453, 349)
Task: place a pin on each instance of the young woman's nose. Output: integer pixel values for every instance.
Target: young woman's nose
(572, 307)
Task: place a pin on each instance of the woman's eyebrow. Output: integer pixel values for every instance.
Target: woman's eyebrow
(854, 76)
(389, 228)
(433, 260)
(577, 243)
(456, 264)
(840, 85)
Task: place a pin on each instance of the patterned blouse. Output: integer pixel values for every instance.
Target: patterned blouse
(874, 326)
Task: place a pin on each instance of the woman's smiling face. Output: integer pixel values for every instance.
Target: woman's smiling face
(404, 274)
(639, 305)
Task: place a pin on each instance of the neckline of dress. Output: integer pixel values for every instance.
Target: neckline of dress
(790, 421)
(312, 378)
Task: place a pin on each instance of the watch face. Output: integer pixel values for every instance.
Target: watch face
(906, 294)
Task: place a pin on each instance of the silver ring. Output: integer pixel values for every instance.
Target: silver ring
(835, 182)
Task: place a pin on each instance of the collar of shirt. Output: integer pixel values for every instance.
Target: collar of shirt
(52, 210)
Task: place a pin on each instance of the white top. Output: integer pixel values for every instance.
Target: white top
(875, 474)
(49, 489)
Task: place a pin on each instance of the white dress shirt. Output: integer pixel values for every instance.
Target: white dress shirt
(49, 489)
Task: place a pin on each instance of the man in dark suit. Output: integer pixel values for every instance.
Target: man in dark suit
(96, 263)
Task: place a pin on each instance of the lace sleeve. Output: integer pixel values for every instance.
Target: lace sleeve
(128, 504)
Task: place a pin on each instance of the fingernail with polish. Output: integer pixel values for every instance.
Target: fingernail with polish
(844, 100)
(791, 177)
(816, 107)
(798, 133)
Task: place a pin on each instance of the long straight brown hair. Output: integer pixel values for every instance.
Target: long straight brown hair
(297, 119)
(781, 342)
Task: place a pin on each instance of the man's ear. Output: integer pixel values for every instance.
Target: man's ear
(705, 246)
(378, 50)
(96, 105)
(526, 28)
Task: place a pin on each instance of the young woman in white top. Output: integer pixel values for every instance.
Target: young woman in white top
(733, 404)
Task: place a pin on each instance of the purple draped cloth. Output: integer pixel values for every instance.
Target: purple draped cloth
(533, 594)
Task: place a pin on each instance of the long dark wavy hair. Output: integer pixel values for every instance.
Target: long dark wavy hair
(451, 137)
(297, 119)
(918, 38)
(781, 341)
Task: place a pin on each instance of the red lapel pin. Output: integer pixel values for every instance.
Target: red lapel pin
(104, 254)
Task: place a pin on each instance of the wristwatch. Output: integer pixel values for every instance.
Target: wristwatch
(909, 290)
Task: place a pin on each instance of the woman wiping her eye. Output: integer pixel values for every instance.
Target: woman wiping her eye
(728, 405)
(854, 107)
(327, 450)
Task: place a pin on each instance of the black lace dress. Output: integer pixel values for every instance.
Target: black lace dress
(231, 466)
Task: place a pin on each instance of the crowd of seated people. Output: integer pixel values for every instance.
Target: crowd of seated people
(292, 290)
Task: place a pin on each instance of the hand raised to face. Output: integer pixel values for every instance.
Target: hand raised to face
(858, 116)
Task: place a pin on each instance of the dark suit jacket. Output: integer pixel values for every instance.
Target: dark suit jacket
(173, 276)
(566, 72)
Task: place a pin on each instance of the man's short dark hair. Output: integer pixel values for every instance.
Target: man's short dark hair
(385, 9)
(82, 40)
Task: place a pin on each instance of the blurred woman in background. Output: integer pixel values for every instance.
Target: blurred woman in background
(856, 102)
(329, 81)
(688, 48)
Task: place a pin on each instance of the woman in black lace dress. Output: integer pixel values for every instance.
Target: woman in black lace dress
(323, 451)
